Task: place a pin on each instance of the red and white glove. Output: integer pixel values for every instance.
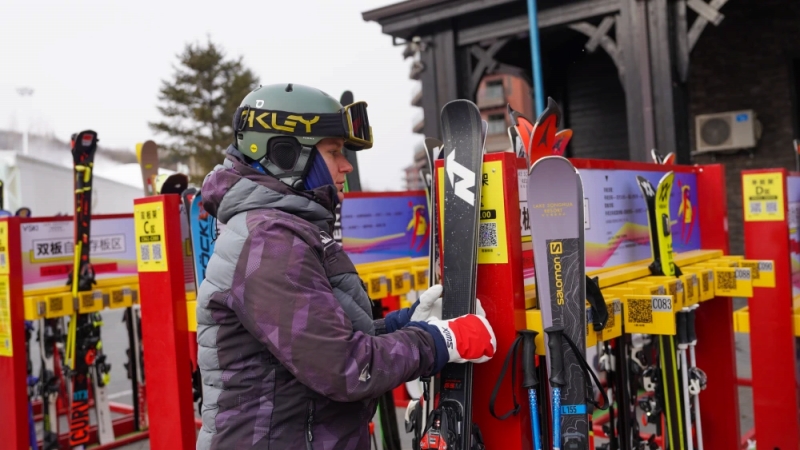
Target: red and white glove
(468, 338)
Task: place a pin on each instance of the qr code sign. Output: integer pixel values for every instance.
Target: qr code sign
(726, 280)
(754, 269)
(488, 235)
(641, 310)
(772, 207)
(144, 251)
(611, 319)
(157, 252)
(755, 207)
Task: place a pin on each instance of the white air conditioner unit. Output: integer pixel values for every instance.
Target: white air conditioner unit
(731, 130)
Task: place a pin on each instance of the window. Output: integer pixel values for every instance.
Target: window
(497, 124)
(494, 89)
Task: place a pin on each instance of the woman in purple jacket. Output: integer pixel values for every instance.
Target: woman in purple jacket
(289, 353)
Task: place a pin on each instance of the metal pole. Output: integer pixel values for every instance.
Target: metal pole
(538, 86)
(25, 92)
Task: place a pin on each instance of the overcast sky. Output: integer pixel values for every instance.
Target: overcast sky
(99, 64)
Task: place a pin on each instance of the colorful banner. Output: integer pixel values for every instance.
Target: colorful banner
(793, 196)
(617, 230)
(385, 226)
(47, 251)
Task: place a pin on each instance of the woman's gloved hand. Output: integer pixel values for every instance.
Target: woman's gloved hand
(428, 305)
(429, 301)
(468, 338)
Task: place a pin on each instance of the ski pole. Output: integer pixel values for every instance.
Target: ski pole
(530, 381)
(693, 359)
(554, 340)
(683, 344)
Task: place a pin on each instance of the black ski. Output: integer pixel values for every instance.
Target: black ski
(555, 204)
(463, 155)
(84, 350)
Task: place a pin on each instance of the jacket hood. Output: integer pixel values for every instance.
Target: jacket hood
(234, 187)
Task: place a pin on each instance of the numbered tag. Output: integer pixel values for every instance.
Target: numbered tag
(763, 272)
(674, 287)
(733, 282)
(649, 314)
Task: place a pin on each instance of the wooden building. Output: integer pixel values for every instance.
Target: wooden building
(630, 75)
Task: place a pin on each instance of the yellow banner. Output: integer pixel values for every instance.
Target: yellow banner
(151, 242)
(763, 197)
(649, 314)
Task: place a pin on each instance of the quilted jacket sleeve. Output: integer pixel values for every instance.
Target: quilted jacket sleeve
(282, 296)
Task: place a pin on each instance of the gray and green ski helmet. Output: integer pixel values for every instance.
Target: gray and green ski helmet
(278, 126)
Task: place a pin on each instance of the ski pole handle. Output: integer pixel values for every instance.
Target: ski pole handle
(683, 333)
(530, 380)
(690, 330)
(555, 338)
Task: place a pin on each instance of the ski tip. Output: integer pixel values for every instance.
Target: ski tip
(346, 98)
(549, 162)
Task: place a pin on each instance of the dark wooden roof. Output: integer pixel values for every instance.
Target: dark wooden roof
(404, 19)
(379, 14)
(411, 17)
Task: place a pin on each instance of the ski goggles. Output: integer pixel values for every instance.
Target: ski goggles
(350, 123)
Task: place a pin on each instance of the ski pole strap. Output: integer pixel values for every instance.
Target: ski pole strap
(587, 369)
(509, 356)
(598, 303)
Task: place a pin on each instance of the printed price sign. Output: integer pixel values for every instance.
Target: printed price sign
(763, 272)
(4, 247)
(649, 314)
(492, 248)
(6, 347)
(733, 282)
(151, 253)
(763, 197)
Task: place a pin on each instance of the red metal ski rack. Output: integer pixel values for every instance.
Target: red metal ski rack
(776, 406)
(13, 367)
(164, 324)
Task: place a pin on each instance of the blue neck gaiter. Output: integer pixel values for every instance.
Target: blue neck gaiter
(319, 175)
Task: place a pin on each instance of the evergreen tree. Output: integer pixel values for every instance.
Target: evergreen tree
(198, 104)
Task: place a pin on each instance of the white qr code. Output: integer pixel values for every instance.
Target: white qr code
(755, 207)
(157, 252)
(144, 251)
(772, 207)
(488, 235)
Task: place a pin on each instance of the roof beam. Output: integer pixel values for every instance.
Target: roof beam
(548, 18)
(415, 19)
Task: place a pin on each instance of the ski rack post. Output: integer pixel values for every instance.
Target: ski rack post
(501, 291)
(13, 359)
(716, 352)
(165, 324)
(773, 314)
